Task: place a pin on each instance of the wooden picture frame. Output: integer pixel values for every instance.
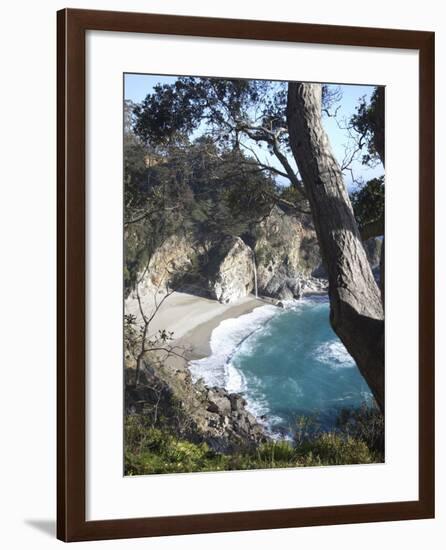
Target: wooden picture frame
(72, 25)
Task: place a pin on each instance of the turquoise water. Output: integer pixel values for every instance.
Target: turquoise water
(287, 363)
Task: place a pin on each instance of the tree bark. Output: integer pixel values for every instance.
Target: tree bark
(356, 311)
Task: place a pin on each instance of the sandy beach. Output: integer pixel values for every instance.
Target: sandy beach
(191, 318)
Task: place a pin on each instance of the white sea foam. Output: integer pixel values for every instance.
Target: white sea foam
(231, 336)
(334, 355)
(305, 303)
(235, 379)
(217, 370)
(235, 339)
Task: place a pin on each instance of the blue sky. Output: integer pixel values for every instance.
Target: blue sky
(137, 86)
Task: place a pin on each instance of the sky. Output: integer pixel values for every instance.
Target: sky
(138, 86)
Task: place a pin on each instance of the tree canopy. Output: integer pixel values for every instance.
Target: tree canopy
(192, 186)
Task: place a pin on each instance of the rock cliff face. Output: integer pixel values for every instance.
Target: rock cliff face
(287, 253)
(192, 410)
(173, 258)
(282, 251)
(231, 273)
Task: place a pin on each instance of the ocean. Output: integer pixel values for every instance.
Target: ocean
(287, 363)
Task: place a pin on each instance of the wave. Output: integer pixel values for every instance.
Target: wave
(235, 342)
(334, 355)
(228, 338)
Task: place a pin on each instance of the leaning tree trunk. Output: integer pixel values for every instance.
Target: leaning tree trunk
(356, 311)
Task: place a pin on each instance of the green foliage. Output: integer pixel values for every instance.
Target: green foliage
(305, 429)
(368, 122)
(175, 110)
(368, 201)
(150, 449)
(224, 108)
(290, 194)
(277, 452)
(365, 423)
(194, 189)
(160, 452)
(329, 449)
(134, 172)
(166, 112)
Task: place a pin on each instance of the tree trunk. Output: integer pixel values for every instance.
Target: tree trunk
(356, 311)
(139, 362)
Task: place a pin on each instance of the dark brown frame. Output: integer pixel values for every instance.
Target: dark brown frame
(71, 27)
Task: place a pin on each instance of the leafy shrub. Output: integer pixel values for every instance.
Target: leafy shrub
(277, 452)
(334, 449)
(151, 450)
(365, 423)
(156, 450)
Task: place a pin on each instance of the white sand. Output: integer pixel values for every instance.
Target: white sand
(191, 318)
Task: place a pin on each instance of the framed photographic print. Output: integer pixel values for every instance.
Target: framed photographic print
(245, 275)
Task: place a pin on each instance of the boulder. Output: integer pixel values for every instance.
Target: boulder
(170, 262)
(283, 287)
(286, 251)
(283, 249)
(219, 403)
(284, 293)
(230, 270)
(237, 401)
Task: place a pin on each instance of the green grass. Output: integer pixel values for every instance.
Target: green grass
(153, 451)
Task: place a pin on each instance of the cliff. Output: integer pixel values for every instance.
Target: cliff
(280, 255)
(287, 256)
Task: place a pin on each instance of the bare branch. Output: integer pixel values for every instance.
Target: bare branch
(264, 165)
(150, 213)
(330, 114)
(288, 204)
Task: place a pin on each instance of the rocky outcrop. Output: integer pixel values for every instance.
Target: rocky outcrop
(234, 425)
(287, 253)
(283, 249)
(231, 270)
(172, 260)
(192, 410)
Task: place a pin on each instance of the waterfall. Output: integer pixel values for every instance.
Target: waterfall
(255, 274)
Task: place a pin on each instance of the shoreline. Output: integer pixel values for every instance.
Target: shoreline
(198, 339)
(191, 318)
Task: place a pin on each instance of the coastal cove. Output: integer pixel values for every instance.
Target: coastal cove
(286, 361)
